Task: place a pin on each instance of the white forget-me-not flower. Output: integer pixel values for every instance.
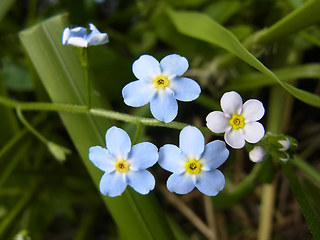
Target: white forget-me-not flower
(160, 84)
(238, 121)
(194, 164)
(124, 165)
(78, 36)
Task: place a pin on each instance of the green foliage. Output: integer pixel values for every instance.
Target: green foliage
(48, 186)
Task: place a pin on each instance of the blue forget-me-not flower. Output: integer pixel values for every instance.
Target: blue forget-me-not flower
(78, 36)
(124, 165)
(193, 163)
(160, 84)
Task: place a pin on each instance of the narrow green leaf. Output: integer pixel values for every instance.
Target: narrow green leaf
(137, 217)
(202, 27)
(308, 210)
(302, 17)
(4, 7)
(256, 80)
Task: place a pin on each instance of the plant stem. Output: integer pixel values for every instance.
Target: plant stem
(59, 107)
(85, 65)
(30, 128)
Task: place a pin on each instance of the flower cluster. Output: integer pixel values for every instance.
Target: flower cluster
(193, 164)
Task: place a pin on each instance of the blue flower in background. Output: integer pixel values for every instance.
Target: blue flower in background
(124, 165)
(194, 164)
(160, 84)
(78, 36)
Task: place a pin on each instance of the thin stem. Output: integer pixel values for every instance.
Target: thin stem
(59, 107)
(85, 65)
(30, 128)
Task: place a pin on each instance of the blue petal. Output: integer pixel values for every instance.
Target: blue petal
(164, 106)
(65, 35)
(191, 142)
(118, 142)
(171, 159)
(185, 89)
(215, 154)
(174, 65)
(180, 183)
(101, 158)
(146, 68)
(141, 181)
(138, 93)
(210, 183)
(96, 37)
(143, 155)
(113, 184)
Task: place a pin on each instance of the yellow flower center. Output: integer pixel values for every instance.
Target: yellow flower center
(237, 121)
(161, 82)
(193, 166)
(122, 166)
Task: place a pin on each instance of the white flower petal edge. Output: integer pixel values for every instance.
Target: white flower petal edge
(237, 121)
(257, 154)
(78, 36)
(231, 103)
(217, 122)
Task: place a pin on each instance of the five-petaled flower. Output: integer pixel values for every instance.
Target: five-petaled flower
(194, 164)
(238, 121)
(78, 36)
(160, 84)
(124, 165)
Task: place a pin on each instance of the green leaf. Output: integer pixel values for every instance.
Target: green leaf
(257, 80)
(302, 17)
(202, 27)
(59, 67)
(308, 210)
(4, 7)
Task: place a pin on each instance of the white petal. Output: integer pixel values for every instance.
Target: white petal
(146, 68)
(171, 159)
(118, 142)
(257, 154)
(231, 103)
(180, 183)
(101, 158)
(234, 138)
(65, 35)
(141, 181)
(210, 183)
(143, 155)
(215, 154)
(96, 37)
(253, 132)
(252, 110)
(185, 89)
(138, 93)
(191, 142)
(113, 184)
(77, 41)
(173, 65)
(164, 106)
(217, 122)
